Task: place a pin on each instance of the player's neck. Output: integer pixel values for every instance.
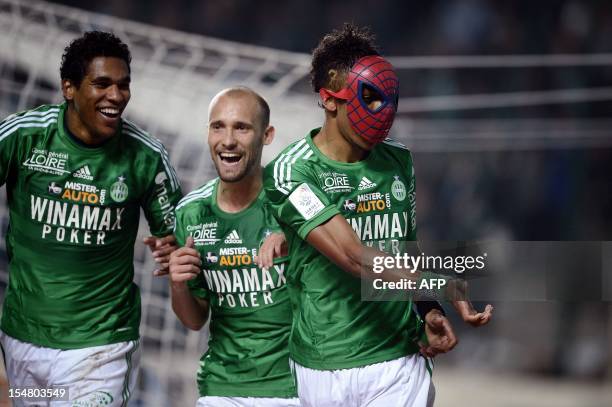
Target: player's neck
(233, 197)
(335, 146)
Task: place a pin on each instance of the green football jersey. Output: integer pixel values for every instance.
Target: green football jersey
(74, 215)
(333, 328)
(250, 322)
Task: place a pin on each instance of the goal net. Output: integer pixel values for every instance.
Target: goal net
(176, 74)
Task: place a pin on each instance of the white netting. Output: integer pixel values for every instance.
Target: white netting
(174, 77)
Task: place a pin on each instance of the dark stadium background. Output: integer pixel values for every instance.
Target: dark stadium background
(560, 205)
(550, 192)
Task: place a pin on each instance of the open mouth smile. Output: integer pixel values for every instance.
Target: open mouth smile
(230, 158)
(110, 112)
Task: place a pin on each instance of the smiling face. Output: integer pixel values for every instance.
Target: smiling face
(95, 107)
(236, 135)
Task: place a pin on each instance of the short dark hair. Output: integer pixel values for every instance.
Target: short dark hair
(81, 51)
(339, 50)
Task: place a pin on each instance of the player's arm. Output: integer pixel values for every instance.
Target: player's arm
(162, 196)
(184, 266)
(9, 139)
(337, 241)
(438, 329)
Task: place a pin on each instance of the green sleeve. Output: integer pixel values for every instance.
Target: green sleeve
(273, 227)
(197, 286)
(409, 167)
(179, 228)
(299, 203)
(161, 198)
(8, 149)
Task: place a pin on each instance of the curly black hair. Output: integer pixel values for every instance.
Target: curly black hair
(339, 50)
(81, 51)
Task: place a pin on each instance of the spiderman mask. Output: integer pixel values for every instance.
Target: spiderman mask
(371, 94)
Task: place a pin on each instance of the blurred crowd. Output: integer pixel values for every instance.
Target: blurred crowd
(403, 27)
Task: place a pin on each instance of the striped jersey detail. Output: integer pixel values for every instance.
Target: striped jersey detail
(282, 166)
(134, 131)
(201, 193)
(29, 119)
(394, 143)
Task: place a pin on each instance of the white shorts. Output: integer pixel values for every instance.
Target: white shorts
(96, 376)
(400, 382)
(214, 401)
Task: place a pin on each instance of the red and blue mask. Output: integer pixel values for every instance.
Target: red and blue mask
(377, 74)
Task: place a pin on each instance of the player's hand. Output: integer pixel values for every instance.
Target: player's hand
(161, 249)
(185, 263)
(274, 246)
(467, 312)
(440, 334)
(458, 289)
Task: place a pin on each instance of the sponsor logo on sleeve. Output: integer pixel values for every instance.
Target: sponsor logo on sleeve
(306, 202)
(165, 205)
(160, 178)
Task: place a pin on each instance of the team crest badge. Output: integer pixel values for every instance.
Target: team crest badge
(119, 190)
(398, 189)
